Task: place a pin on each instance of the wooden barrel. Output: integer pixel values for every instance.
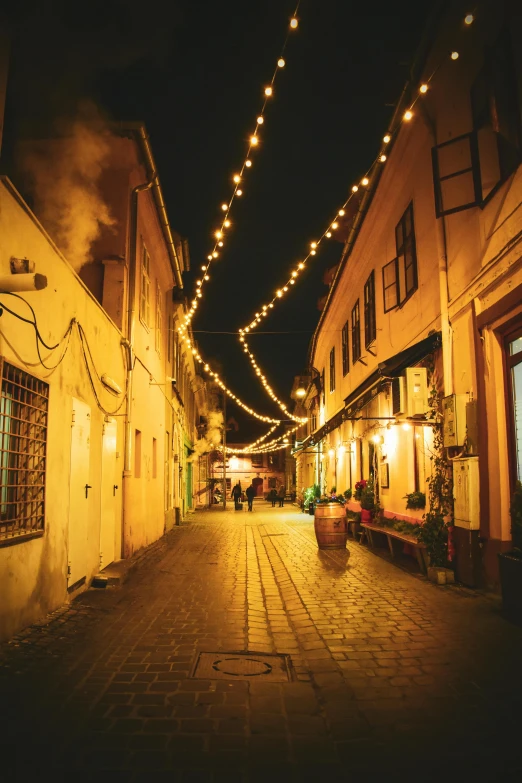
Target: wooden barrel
(330, 526)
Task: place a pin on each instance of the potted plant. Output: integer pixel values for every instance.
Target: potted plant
(415, 500)
(310, 496)
(347, 494)
(367, 501)
(359, 486)
(510, 563)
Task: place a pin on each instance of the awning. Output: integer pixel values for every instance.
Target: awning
(375, 383)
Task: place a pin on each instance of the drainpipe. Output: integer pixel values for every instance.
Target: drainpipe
(447, 332)
(442, 264)
(129, 344)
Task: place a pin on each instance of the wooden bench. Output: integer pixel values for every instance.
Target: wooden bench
(391, 535)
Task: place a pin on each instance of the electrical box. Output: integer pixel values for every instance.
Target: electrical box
(466, 511)
(417, 391)
(454, 413)
(398, 396)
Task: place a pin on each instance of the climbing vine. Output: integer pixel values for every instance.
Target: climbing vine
(435, 532)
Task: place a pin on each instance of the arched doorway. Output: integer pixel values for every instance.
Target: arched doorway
(258, 484)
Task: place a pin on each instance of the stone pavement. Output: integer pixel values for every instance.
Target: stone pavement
(391, 676)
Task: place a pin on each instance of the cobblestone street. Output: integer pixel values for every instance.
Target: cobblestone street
(390, 675)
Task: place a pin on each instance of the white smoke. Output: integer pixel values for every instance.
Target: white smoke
(211, 439)
(64, 181)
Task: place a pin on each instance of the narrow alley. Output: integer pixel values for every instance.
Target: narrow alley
(386, 673)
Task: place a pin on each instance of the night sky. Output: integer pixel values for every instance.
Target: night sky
(194, 72)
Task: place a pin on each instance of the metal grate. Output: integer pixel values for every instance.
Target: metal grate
(242, 666)
(24, 404)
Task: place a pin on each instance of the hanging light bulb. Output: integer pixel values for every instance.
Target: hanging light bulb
(387, 138)
(239, 192)
(218, 234)
(341, 212)
(281, 63)
(260, 120)
(328, 234)
(365, 181)
(237, 178)
(469, 19)
(408, 115)
(293, 23)
(423, 88)
(335, 225)
(268, 91)
(227, 223)
(254, 141)
(454, 55)
(382, 158)
(248, 163)
(355, 188)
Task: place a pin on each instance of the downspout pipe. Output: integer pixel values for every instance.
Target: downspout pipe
(129, 345)
(444, 297)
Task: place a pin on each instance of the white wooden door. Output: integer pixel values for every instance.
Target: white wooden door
(109, 489)
(79, 491)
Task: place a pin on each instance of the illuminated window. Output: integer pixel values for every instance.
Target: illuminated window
(370, 326)
(159, 319)
(145, 287)
(356, 333)
(332, 370)
(345, 350)
(24, 404)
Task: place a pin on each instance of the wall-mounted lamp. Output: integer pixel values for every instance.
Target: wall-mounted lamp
(110, 385)
(300, 392)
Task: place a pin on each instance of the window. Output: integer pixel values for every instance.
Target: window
(332, 370)
(257, 460)
(159, 319)
(390, 285)
(370, 326)
(145, 287)
(356, 333)
(469, 168)
(345, 350)
(406, 254)
(24, 405)
(496, 116)
(513, 352)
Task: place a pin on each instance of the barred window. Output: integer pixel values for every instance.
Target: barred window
(24, 405)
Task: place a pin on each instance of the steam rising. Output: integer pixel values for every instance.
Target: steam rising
(64, 176)
(212, 437)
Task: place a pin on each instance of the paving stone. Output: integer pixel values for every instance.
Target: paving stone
(382, 661)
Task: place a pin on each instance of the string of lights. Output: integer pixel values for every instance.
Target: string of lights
(238, 178)
(282, 441)
(333, 225)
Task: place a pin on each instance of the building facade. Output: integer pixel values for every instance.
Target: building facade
(99, 399)
(422, 321)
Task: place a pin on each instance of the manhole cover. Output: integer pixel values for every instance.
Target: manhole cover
(242, 666)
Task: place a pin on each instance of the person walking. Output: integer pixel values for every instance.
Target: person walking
(281, 496)
(272, 496)
(236, 494)
(250, 493)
